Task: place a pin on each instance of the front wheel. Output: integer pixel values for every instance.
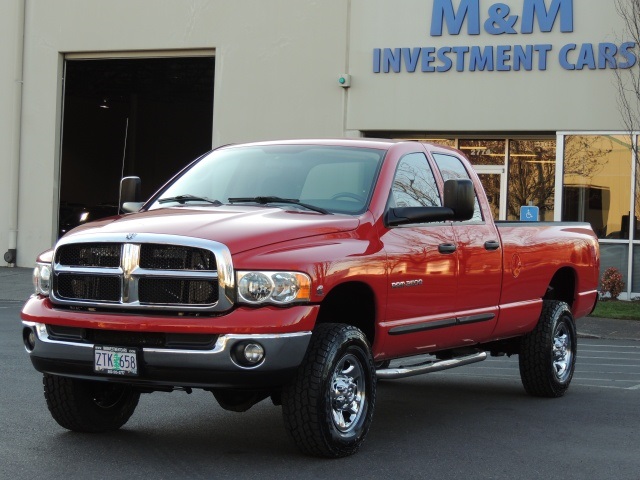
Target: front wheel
(328, 407)
(88, 406)
(548, 353)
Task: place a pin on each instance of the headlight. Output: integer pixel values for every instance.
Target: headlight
(42, 279)
(273, 287)
(42, 273)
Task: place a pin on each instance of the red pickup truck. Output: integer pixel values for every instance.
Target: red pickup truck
(303, 271)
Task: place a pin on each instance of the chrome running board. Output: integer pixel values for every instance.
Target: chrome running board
(430, 366)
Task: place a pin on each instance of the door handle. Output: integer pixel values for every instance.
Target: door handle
(491, 245)
(446, 248)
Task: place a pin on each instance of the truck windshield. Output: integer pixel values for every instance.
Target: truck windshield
(330, 178)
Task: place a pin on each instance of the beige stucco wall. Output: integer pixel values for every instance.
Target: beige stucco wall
(277, 64)
(551, 100)
(10, 96)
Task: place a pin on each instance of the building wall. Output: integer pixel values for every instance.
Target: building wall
(10, 111)
(537, 100)
(277, 65)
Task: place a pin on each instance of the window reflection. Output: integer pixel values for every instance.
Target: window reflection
(596, 183)
(532, 171)
(484, 152)
(414, 184)
(451, 168)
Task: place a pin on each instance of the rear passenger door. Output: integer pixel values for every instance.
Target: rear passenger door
(479, 257)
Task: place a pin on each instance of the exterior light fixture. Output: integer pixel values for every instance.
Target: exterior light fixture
(344, 80)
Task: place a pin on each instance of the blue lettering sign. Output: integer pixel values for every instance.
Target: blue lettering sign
(627, 51)
(481, 60)
(391, 60)
(543, 50)
(523, 57)
(443, 11)
(446, 61)
(607, 55)
(502, 58)
(428, 59)
(460, 51)
(411, 57)
(500, 19)
(564, 56)
(586, 58)
(546, 18)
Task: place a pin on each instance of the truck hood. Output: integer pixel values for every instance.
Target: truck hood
(240, 228)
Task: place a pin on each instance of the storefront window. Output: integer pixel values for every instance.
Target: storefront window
(635, 270)
(427, 138)
(532, 170)
(636, 228)
(447, 142)
(614, 255)
(484, 152)
(597, 171)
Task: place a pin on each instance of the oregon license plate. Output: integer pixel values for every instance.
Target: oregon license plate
(115, 360)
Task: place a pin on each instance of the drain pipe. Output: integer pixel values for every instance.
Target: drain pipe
(14, 166)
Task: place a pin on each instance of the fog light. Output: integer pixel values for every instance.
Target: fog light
(253, 353)
(29, 338)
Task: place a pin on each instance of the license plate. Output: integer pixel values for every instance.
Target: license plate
(115, 360)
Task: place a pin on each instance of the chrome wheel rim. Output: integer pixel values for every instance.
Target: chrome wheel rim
(347, 393)
(562, 352)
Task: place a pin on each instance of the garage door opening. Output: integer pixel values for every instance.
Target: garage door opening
(145, 117)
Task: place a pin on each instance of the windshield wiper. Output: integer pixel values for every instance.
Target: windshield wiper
(182, 199)
(292, 201)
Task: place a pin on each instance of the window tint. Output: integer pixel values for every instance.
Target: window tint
(414, 184)
(452, 168)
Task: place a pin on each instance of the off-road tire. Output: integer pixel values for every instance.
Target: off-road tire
(548, 353)
(88, 406)
(321, 420)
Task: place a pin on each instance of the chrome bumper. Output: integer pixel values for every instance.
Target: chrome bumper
(197, 368)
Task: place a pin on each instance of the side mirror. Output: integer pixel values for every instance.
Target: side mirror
(459, 197)
(130, 194)
(459, 203)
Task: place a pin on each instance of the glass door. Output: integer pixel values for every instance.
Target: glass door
(494, 181)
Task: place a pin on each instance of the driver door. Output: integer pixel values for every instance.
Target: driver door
(422, 265)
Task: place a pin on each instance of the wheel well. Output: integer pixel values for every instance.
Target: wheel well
(562, 286)
(352, 303)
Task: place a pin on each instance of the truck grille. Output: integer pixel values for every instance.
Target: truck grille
(170, 257)
(188, 292)
(156, 271)
(89, 255)
(89, 287)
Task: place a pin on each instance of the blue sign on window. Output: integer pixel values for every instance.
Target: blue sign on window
(529, 214)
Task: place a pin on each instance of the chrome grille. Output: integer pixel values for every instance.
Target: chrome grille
(89, 287)
(143, 271)
(89, 255)
(171, 257)
(175, 291)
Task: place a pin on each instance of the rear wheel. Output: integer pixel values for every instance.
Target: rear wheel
(548, 353)
(328, 407)
(88, 406)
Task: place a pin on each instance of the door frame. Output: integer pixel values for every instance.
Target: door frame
(502, 171)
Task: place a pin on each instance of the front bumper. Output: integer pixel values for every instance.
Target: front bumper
(164, 367)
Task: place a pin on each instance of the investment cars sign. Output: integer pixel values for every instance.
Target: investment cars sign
(502, 21)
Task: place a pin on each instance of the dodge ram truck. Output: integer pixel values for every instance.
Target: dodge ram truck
(303, 271)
